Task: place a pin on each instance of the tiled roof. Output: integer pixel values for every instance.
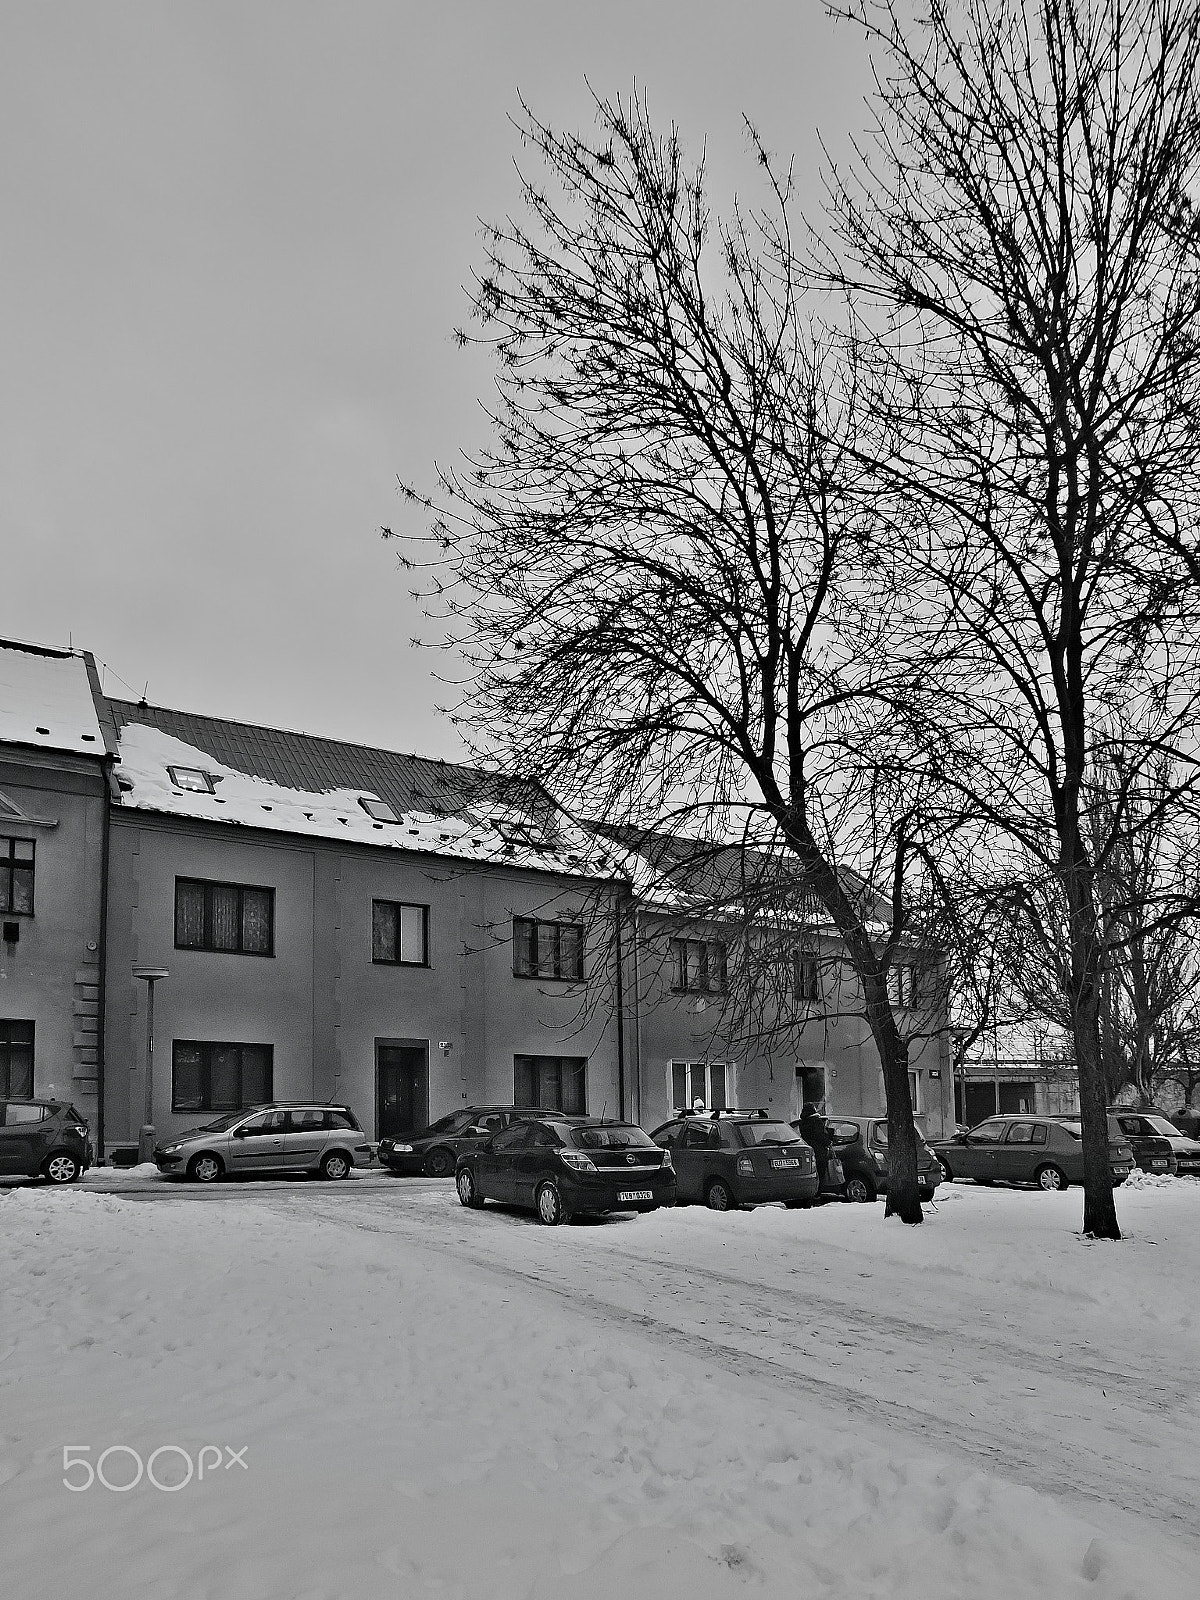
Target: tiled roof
(306, 761)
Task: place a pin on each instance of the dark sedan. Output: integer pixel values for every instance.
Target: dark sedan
(1047, 1151)
(436, 1148)
(1158, 1146)
(562, 1166)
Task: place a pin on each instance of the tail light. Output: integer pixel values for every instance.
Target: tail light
(745, 1166)
(667, 1163)
(577, 1161)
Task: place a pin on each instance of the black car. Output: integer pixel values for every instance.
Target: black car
(1158, 1146)
(562, 1166)
(738, 1158)
(861, 1145)
(43, 1138)
(436, 1148)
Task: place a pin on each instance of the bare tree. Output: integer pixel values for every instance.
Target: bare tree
(1020, 245)
(662, 573)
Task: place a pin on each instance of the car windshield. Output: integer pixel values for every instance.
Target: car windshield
(611, 1138)
(768, 1133)
(879, 1136)
(1161, 1125)
(456, 1120)
(222, 1123)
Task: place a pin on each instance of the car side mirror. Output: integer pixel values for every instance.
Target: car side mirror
(240, 1133)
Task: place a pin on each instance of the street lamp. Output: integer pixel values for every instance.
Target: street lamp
(149, 976)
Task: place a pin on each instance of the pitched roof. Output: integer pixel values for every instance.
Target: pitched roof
(182, 764)
(47, 701)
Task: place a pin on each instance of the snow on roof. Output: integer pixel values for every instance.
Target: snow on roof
(154, 768)
(46, 700)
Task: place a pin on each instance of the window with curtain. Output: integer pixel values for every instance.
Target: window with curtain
(207, 1075)
(556, 1083)
(232, 918)
(706, 1081)
(16, 1059)
(697, 966)
(16, 876)
(547, 949)
(399, 933)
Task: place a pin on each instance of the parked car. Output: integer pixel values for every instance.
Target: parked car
(563, 1166)
(1158, 1145)
(861, 1143)
(295, 1136)
(43, 1138)
(1047, 1151)
(1187, 1121)
(435, 1150)
(738, 1158)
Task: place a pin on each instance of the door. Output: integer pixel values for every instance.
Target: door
(1021, 1153)
(401, 1089)
(305, 1136)
(533, 1162)
(257, 1145)
(977, 1157)
(808, 1089)
(494, 1164)
(21, 1138)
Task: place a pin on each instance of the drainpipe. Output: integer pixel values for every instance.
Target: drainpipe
(620, 1000)
(103, 955)
(637, 1011)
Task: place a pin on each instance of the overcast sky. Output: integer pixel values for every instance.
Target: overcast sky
(233, 247)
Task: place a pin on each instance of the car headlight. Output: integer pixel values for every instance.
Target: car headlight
(168, 1149)
(404, 1149)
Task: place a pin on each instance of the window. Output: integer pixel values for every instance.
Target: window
(191, 778)
(377, 810)
(515, 832)
(988, 1133)
(220, 1077)
(16, 1059)
(697, 966)
(808, 977)
(228, 917)
(902, 985)
(15, 1115)
(706, 1081)
(1027, 1133)
(547, 949)
(514, 1138)
(16, 876)
(556, 1083)
(399, 934)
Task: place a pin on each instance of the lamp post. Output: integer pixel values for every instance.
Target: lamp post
(149, 976)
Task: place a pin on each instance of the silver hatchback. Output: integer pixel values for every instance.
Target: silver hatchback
(296, 1137)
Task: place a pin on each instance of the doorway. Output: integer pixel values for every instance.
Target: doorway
(401, 1087)
(809, 1086)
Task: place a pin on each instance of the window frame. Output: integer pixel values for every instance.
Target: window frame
(207, 1046)
(576, 1063)
(806, 974)
(397, 960)
(10, 866)
(902, 985)
(208, 885)
(689, 1068)
(7, 1026)
(678, 949)
(536, 925)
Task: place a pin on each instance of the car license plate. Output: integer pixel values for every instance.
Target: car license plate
(788, 1161)
(636, 1194)
(1158, 1163)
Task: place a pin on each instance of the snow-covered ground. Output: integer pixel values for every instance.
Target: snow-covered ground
(435, 1402)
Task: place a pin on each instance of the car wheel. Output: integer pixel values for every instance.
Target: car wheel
(205, 1168)
(439, 1164)
(335, 1165)
(718, 1196)
(62, 1168)
(946, 1172)
(550, 1208)
(468, 1191)
(859, 1189)
(1050, 1177)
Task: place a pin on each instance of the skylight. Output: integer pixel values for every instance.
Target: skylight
(377, 810)
(192, 778)
(515, 832)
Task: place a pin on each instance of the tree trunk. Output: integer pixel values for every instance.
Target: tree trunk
(903, 1199)
(1099, 1208)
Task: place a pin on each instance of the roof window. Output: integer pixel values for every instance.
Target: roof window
(519, 833)
(377, 810)
(193, 778)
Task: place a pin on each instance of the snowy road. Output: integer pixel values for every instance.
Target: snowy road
(446, 1403)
